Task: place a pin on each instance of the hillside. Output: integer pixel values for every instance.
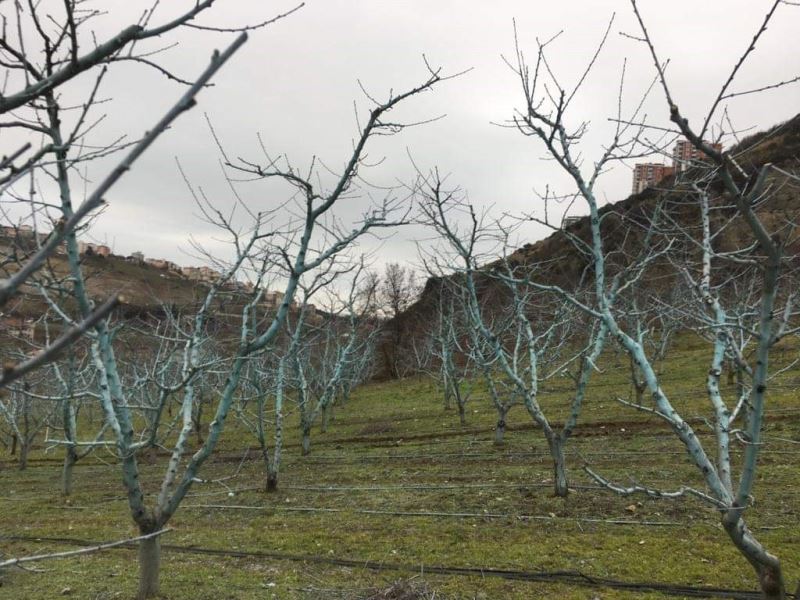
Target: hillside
(556, 260)
(148, 289)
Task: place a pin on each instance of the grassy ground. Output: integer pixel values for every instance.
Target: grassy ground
(393, 449)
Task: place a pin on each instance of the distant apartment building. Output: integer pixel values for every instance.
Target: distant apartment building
(205, 274)
(11, 231)
(684, 154)
(157, 263)
(19, 327)
(647, 175)
(273, 299)
(314, 316)
(25, 237)
(89, 249)
(136, 257)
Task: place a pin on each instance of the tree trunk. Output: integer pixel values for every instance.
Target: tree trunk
(767, 567)
(13, 444)
(556, 444)
(272, 476)
(24, 448)
(70, 458)
(461, 403)
(149, 567)
(500, 430)
(640, 389)
(448, 393)
(272, 480)
(739, 382)
(198, 425)
(326, 411)
(273, 466)
(306, 442)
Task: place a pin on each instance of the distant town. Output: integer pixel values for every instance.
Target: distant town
(270, 300)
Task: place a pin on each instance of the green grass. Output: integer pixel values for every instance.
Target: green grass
(394, 442)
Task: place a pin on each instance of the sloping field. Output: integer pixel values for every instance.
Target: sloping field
(396, 491)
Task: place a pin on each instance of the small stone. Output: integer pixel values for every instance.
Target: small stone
(631, 508)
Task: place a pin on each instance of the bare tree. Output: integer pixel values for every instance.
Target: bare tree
(25, 416)
(302, 244)
(63, 46)
(44, 49)
(448, 349)
(332, 349)
(539, 348)
(300, 252)
(545, 117)
(397, 290)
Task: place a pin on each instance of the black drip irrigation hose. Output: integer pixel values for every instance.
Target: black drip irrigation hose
(325, 458)
(465, 456)
(586, 430)
(568, 577)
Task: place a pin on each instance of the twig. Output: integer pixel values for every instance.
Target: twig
(37, 557)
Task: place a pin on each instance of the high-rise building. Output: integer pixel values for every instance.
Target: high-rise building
(684, 154)
(647, 175)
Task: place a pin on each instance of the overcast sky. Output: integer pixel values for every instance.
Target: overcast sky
(295, 83)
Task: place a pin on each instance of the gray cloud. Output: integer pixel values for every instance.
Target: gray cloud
(295, 83)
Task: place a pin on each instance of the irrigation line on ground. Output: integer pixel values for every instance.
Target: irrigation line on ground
(507, 456)
(587, 430)
(523, 485)
(434, 514)
(430, 486)
(343, 488)
(780, 383)
(334, 489)
(414, 440)
(413, 513)
(320, 458)
(568, 577)
(390, 487)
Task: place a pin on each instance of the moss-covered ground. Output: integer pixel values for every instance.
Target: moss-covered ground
(397, 482)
